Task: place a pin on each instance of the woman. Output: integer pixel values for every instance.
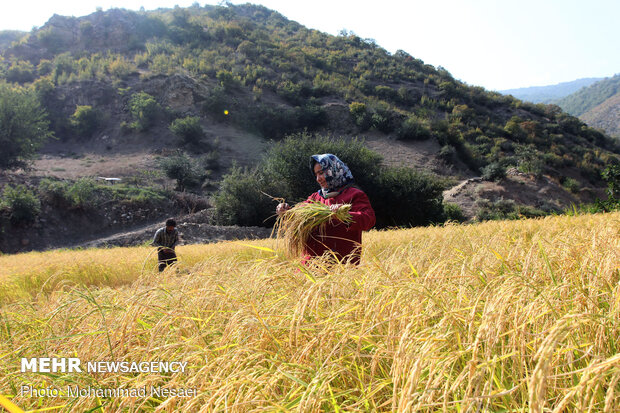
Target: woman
(342, 240)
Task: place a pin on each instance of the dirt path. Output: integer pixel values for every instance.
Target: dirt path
(192, 228)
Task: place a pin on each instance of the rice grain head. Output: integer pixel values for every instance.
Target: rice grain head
(297, 223)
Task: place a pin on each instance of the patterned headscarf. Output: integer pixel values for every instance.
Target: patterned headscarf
(337, 173)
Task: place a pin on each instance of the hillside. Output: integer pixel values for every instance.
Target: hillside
(605, 116)
(114, 82)
(499, 316)
(588, 98)
(551, 93)
(8, 37)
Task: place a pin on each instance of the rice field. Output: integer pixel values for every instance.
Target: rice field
(500, 316)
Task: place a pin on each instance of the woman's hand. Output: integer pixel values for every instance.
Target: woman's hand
(282, 208)
(334, 208)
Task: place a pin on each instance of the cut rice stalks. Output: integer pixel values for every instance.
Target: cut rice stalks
(296, 224)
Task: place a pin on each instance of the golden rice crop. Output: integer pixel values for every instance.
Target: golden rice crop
(498, 316)
(295, 225)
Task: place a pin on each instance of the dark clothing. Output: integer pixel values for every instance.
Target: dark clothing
(344, 240)
(165, 257)
(165, 242)
(163, 238)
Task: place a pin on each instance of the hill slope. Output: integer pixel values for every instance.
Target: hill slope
(548, 94)
(275, 77)
(251, 76)
(605, 116)
(587, 98)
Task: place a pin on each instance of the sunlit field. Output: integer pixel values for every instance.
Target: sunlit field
(499, 316)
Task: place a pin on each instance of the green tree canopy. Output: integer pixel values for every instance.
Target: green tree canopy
(23, 125)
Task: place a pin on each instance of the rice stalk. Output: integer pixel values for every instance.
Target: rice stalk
(296, 225)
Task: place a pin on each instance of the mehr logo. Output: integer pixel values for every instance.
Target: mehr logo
(51, 365)
(72, 365)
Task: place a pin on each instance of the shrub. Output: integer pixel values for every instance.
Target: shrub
(529, 160)
(448, 153)
(505, 209)
(183, 169)
(453, 212)
(400, 196)
(310, 116)
(55, 192)
(241, 201)
(413, 129)
(20, 72)
(82, 193)
(572, 185)
(216, 103)
(85, 120)
(494, 172)
(611, 175)
(227, 80)
(143, 109)
(188, 130)
(21, 203)
(287, 162)
(360, 115)
(120, 68)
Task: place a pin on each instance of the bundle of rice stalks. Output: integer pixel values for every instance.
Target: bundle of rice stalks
(297, 223)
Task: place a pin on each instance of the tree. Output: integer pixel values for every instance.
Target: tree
(23, 126)
(183, 169)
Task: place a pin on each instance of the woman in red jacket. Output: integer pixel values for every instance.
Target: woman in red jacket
(342, 240)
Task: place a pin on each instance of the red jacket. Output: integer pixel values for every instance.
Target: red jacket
(342, 239)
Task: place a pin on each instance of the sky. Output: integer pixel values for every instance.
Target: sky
(497, 44)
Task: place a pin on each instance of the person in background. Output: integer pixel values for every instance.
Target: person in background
(342, 240)
(165, 240)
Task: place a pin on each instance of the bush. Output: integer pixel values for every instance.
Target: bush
(20, 72)
(413, 129)
(453, 212)
(611, 175)
(505, 209)
(240, 200)
(183, 169)
(400, 196)
(571, 185)
(143, 109)
(82, 193)
(55, 192)
(448, 154)
(493, 172)
(287, 162)
(21, 203)
(85, 120)
(188, 130)
(360, 115)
